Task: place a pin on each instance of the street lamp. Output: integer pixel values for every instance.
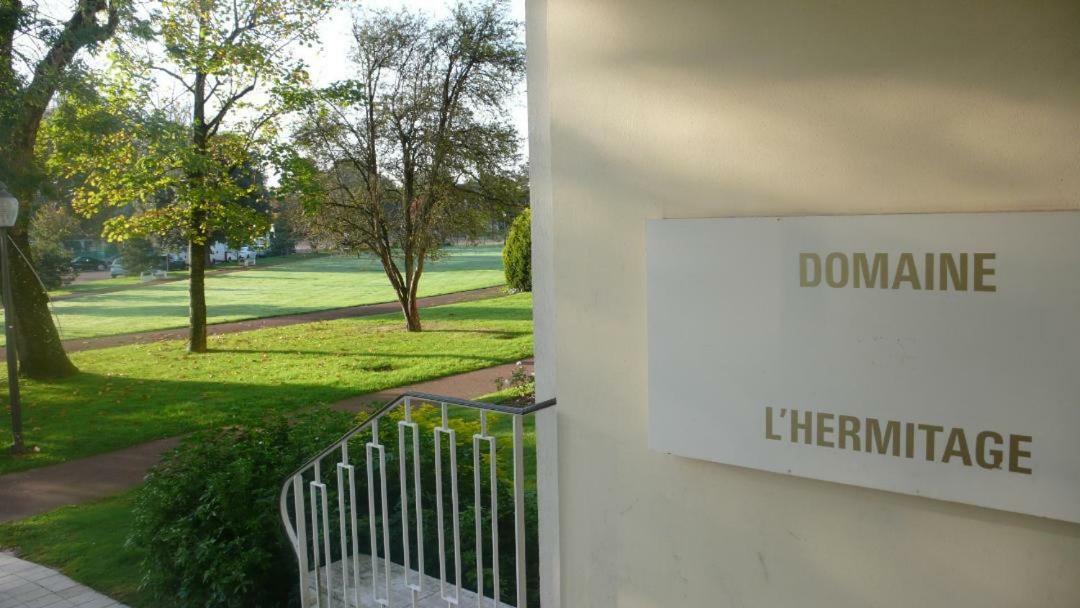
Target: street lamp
(9, 212)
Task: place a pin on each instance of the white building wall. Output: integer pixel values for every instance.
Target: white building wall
(690, 108)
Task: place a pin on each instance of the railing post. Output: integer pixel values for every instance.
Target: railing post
(406, 541)
(477, 494)
(376, 446)
(519, 509)
(452, 438)
(301, 538)
(345, 471)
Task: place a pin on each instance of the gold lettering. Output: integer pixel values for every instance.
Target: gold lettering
(867, 274)
(949, 270)
(805, 427)
(931, 430)
(957, 445)
(981, 452)
(928, 273)
(982, 272)
(875, 439)
(909, 440)
(849, 429)
(768, 425)
(1015, 454)
(823, 430)
(804, 280)
(830, 264)
(906, 272)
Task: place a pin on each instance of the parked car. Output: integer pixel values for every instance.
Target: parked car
(116, 269)
(172, 262)
(85, 262)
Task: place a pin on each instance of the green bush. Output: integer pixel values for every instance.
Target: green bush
(207, 517)
(517, 253)
(53, 266)
(138, 255)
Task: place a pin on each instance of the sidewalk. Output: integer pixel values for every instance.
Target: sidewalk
(36, 491)
(27, 585)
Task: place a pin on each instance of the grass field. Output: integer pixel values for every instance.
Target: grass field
(126, 282)
(310, 284)
(138, 393)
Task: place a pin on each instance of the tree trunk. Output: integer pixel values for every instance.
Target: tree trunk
(412, 312)
(41, 353)
(197, 246)
(197, 297)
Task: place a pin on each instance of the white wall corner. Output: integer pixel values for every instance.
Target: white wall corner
(543, 252)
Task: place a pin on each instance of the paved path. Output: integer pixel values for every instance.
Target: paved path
(36, 491)
(366, 310)
(40, 490)
(27, 585)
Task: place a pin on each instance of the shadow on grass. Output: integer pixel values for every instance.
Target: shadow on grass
(91, 414)
(377, 355)
(471, 311)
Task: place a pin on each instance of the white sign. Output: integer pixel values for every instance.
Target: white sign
(936, 355)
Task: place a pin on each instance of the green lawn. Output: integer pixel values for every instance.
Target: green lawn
(86, 542)
(314, 283)
(138, 393)
(126, 282)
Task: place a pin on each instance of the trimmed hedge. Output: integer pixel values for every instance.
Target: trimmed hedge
(517, 253)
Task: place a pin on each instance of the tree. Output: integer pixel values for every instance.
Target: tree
(138, 255)
(400, 151)
(517, 253)
(28, 81)
(287, 226)
(50, 226)
(220, 54)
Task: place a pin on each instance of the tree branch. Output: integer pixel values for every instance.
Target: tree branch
(215, 122)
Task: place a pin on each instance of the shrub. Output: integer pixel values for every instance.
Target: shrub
(207, 517)
(517, 253)
(53, 267)
(138, 255)
(50, 225)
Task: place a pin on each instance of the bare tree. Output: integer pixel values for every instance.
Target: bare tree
(418, 134)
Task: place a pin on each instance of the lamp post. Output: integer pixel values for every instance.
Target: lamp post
(9, 212)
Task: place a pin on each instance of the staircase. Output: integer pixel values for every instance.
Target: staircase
(430, 502)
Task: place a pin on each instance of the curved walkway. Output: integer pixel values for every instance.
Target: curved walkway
(365, 310)
(36, 491)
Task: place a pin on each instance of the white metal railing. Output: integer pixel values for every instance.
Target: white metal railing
(396, 570)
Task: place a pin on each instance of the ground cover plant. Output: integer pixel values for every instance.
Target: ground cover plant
(132, 394)
(206, 521)
(312, 284)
